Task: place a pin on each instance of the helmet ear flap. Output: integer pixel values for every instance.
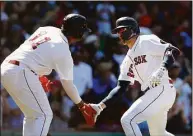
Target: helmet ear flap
(133, 32)
(128, 33)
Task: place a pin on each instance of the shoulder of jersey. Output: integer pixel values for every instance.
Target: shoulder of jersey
(150, 37)
(49, 28)
(146, 40)
(55, 34)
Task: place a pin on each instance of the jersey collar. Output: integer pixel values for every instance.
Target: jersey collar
(135, 44)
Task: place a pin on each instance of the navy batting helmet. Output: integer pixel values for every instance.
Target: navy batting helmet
(131, 25)
(74, 25)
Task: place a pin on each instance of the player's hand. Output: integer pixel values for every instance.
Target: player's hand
(88, 112)
(98, 108)
(157, 77)
(45, 83)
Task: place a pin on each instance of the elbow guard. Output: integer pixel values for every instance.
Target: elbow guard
(170, 56)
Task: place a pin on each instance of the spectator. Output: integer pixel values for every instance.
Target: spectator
(82, 79)
(105, 13)
(13, 117)
(104, 81)
(119, 54)
(56, 101)
(176, 119)
(82, 74)
(183, 89)
(16, 119)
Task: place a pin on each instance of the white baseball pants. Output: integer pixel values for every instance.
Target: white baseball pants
(26, 90)
(151, 107)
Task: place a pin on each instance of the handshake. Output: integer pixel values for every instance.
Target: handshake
(90, 112)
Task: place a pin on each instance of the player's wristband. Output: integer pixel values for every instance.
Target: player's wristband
(80, 104)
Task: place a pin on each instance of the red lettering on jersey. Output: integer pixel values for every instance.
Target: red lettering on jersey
(143, 59)
(46, 39)
(37, 42)
(130, 73)
(140, 59)
(37, 36)
(34, 38)
(136, 62)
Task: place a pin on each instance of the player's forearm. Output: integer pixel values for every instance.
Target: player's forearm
(115, 94)
(71, 91)
(170, 56)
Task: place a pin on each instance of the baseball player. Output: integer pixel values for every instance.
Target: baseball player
(46, 49)
(147, 62)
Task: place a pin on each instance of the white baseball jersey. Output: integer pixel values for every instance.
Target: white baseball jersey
(143, 59)
(46, 49)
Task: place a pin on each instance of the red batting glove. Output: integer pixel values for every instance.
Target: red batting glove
(88, 112)
(45, 83)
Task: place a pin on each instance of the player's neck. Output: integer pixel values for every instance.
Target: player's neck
(131, 42)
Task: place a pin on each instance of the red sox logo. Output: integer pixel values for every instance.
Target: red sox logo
(130, 72)
(138, 60)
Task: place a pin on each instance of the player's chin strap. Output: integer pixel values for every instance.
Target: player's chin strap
(128, 33)
(133, 35)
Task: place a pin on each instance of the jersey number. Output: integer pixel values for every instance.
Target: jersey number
(36, 41)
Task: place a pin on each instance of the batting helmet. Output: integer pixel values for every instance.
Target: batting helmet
(131, 25)
(74, 25)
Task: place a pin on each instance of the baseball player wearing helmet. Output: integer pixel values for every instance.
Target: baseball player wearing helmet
(46, 49)
(147, 62)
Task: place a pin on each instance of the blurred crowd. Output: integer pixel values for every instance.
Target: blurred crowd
(97, 58)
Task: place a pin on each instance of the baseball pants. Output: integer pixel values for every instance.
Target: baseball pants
(152, 107)
(27, 92)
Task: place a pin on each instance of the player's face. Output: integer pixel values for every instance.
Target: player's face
(120, 34)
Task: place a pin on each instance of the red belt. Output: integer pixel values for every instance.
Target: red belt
(15, 62)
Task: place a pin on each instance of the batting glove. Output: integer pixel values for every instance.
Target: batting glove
(157, 77)
(88, 113)
(45, 82)
(98, 108)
